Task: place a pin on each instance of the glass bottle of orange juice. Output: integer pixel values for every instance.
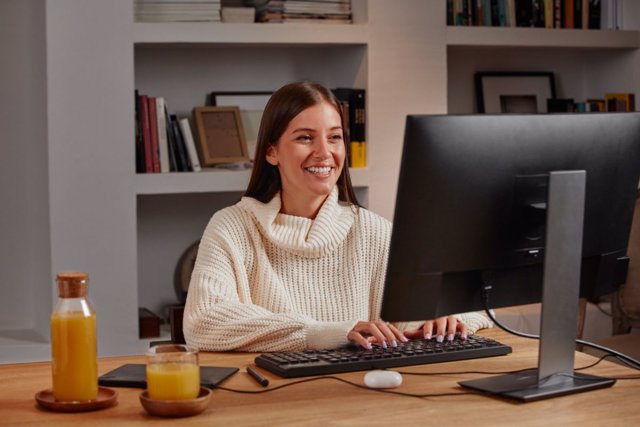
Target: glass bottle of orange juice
(73, 341)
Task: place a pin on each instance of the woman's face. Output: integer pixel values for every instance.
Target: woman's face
(310, 156)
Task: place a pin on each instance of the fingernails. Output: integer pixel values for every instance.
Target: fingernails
(394, 343)
(369, 346)
(463, 336)
(384, 344)
(440, 338)
(450, 337)
(404, 339)
(427, 336)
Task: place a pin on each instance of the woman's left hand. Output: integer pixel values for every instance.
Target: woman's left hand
(442, 327)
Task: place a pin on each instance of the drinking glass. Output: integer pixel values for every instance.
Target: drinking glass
(173, 372)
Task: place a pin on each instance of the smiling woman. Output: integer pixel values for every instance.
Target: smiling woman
(297, 263)
(310, 157)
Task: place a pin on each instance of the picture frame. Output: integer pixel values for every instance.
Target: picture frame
(251, 105)
(221, 137)
(522, 92)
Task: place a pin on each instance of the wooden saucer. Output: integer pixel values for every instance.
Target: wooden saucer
(176, 408)
(106, 397)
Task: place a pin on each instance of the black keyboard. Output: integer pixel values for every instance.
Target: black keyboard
(353, 358)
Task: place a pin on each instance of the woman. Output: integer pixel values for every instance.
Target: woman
(297, 263)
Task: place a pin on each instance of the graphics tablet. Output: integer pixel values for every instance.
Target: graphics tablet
(134, 375)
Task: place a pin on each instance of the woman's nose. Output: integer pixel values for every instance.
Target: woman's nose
(322, 148)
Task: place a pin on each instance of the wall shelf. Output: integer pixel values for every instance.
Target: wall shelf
(212, 180)
(262, 34)
(540, 37)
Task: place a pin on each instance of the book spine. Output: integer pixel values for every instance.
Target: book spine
(171, 142)
(182, 151)
(502, 13)
(511, 13)
(577, 14)
(549, 11)
(357, 124)
(595, 11)
(146, 133)
(524, 13)
(163, 144)
(153, 131)
(139, 140)
(190, 144)
(486, 11)
(569, 9)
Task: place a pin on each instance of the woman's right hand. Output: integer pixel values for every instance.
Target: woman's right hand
(381, 332)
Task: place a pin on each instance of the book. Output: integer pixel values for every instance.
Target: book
(595, 11)
(569, 11)
(357, 124)
(560, 105)
(153, 132)
(182, 160)
(146, 133)
(139, 143)
(173, 148)
(620, 102)
(163, 146)
(524, 13)
(189, 142)
(595, 105)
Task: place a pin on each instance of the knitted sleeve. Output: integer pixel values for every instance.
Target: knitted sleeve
(219, 314)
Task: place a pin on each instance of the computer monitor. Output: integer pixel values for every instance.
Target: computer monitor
(536, 207)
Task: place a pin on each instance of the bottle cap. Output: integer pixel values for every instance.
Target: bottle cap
(72, 284)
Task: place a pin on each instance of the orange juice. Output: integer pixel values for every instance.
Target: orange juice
(74, 358)
(173, 380)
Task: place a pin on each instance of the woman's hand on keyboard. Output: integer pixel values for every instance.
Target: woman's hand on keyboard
(380, 332)
(440, 327)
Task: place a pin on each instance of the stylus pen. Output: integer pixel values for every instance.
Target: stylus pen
(256, 376)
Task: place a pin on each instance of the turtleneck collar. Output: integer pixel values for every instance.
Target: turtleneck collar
(306, 237)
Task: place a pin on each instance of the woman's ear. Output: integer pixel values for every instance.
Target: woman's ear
(272, 155)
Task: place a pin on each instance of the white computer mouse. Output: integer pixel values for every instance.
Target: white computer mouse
(382, 379)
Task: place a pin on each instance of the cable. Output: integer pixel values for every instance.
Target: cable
(627, 360)
(330, 377)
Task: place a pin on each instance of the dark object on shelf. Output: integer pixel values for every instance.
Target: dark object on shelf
(520, 92)
(182, 274)
(148, 323)
(560, 105)
(176, 312)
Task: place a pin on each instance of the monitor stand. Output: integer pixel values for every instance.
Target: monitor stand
(561, 290)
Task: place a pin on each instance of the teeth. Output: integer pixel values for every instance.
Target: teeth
(323, 170)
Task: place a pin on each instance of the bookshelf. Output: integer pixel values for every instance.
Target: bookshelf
(459, 36)
(78, 203)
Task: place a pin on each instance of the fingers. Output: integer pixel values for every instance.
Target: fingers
(379, 331)
(444, 327)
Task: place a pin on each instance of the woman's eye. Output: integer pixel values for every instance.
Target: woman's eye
(304, 138)
(336, 138)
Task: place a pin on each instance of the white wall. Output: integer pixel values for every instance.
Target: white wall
(407, 75)
(25, 273)
(91, 166)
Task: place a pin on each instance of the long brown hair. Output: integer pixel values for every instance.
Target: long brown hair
(285, 104)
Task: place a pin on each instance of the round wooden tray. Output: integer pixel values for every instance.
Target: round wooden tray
(176, 408)
(106, 397)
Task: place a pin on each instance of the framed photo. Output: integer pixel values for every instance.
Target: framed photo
(220, 135)
(251, 105)
(514, 92)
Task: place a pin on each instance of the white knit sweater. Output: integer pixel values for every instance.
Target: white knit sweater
(266, 281)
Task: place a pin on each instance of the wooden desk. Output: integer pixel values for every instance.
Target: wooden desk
(332, 403)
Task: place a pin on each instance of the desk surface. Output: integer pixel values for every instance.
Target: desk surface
(329, 402)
